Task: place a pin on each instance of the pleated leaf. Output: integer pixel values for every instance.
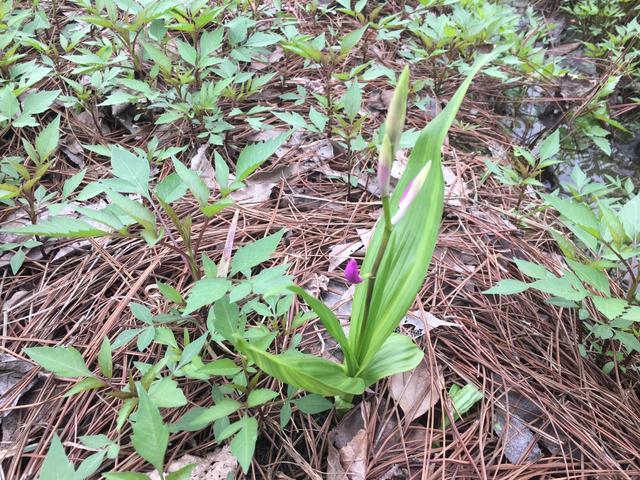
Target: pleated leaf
(405, 263)
(313, 374)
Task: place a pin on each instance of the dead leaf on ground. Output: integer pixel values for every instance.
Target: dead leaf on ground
(455, 190)
(215, 466)
(202, 164)
(417, 391)
(12, 371)
(417, 321)
(519, 442)
(348, 447)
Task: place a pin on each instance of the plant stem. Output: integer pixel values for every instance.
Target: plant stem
(386, 234)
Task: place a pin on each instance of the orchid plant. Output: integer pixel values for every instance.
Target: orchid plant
(394, 267)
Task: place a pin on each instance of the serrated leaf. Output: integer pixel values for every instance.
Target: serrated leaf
(91, 464)
(47, 139)
(610, 307)
(165, 393)
(56, 465)
(39, 102)
(150, 435)
(244, 443)
(532, 269)
(194, 183)
(170, 293)
(62, 361)
(255, 253)
(182, 474)
(550, 146)
(73, 182)
(132, 168)
(206, 292)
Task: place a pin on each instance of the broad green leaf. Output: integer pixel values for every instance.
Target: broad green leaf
(135, 210)
(578, 213)
(61, 226)
(404, 265)
(165, 393)
(73, 182)
(330, 322)
(158, 57)
(221, 367)
(125, 476)
(610, 307)
(61, 361)
(199, 417)
(91, 464)
(260, 396)
(255, 253)
(171, 188)
(352, 100)
(56, 465)
(170, 293)
(38, 102)
(244, 443)
(105, 361)
(629, 340)
(191, 350)
(507, 287)
(312, 404)
(206, 292)
(47, 140)
(550, 146)
(313, 374)
(150, 435)
(132, 168)
(252, 156)
(590, 276)
(560, 287)
(194, 183)
(532, 269)
(89, 383)
(182, 474)
(398, 354)
(351, 39)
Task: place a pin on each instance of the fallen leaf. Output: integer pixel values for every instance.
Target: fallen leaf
(348, 447)
(201, 164)
(418, 321)
(338, 254)
(417, 391)
(519, 442)
(215, 466)
(455, 189)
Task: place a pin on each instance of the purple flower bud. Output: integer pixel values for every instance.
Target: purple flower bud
(410, 193)
(385, 162)
(352, 272)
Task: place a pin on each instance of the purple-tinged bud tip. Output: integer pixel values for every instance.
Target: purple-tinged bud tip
(352, 272)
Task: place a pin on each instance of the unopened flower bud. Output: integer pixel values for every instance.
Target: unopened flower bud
(385, 162)
(410, 193)
(398, 109)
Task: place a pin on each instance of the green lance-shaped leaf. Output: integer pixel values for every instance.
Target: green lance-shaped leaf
(330, 322)
(406, 260)
(150, 434)
(62, 361)
(313, 374)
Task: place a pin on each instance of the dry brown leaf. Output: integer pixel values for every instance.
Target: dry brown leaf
(417, 391)
(201, 164)
(215, 466)
(348, 448)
